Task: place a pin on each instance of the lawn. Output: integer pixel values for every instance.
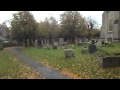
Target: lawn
(84, 66)
(12, 68)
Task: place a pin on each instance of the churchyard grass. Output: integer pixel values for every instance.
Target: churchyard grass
(85, 66)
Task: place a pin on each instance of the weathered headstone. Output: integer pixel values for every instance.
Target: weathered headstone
(69, 53)
(55, 44)
(92, 48)
(61, 41)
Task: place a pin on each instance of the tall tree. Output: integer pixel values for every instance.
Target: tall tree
(53, 30)
(48, 29)
(71, 24)
(23, 27)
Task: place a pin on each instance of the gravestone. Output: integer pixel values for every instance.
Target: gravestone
(99, 43)
(39, 43)
(84, 51)
(102, 42)
(61, 41)
(106, 42)
(109, 61)
(92, 47)
(48, 46)
(69, 53)
(55, 44)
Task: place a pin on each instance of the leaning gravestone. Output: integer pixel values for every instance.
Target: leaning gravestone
(92, 48)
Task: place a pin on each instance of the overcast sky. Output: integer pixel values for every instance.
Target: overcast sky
(41, 15)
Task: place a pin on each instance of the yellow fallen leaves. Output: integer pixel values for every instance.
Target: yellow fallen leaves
(74, 76)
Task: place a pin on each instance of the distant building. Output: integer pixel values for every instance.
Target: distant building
(3, 31)
(110, 29)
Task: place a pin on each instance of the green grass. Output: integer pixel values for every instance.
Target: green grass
(12, 68)
(110, 50)
(83, 66)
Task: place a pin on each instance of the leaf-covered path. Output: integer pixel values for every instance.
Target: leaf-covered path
(44, 71)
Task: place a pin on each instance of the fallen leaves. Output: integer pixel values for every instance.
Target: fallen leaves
(12, 68)
(74, 76)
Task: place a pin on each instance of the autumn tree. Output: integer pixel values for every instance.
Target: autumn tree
(23, 27)
(53, 29)
(48, 29)
(43, 30)
(72, 24)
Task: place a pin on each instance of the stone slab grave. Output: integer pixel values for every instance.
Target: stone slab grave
(69, 53)
(109, 61)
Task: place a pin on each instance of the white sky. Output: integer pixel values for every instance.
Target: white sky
(41, 15)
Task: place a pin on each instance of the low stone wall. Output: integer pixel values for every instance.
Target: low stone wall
(110, 61)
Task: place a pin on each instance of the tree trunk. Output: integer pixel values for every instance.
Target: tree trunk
(30, 42)
(73, 39)
(33, 40)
